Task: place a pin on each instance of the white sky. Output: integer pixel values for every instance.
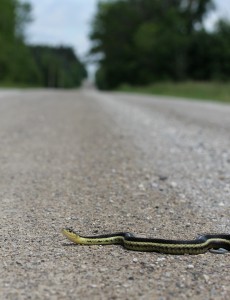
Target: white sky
(67, 22)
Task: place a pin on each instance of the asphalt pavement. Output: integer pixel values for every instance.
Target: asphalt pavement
(107, 162)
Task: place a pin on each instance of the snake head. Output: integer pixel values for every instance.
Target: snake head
(71, 235)
(68, 230)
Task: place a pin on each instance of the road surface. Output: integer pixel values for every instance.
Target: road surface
(105, 162)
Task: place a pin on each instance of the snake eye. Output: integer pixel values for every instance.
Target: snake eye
(70, 229)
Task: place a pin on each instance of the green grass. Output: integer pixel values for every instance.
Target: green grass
(215, 91)
(11, 85)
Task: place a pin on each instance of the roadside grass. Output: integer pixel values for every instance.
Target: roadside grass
(213, 91)
(10, 85)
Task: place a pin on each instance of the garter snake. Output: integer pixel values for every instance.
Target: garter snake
(201, 244)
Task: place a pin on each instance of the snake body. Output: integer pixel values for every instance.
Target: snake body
(200, 245)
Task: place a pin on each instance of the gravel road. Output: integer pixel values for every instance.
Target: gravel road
(105, 162)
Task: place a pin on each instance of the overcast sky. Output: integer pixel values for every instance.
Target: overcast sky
(67, 22)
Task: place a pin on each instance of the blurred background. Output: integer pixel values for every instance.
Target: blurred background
(176, 47)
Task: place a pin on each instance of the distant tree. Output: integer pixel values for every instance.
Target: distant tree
(23, 18)
(58, 66)
(194, 12)
(112, 35)
(145, 40)
(14, 55)
(221, 51)
(7, 19)
(33, 65)
(209, 53)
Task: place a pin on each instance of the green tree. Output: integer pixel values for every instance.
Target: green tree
(209, 53)
(144, 40)
(59, 67)
(114, 40)
(23, 18)
(33, 65)
(14, 55)
(221, 51)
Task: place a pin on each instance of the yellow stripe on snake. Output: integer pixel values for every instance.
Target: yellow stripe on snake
(219, 243)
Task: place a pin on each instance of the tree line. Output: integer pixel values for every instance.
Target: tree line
(33, 65)
(139, 42)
